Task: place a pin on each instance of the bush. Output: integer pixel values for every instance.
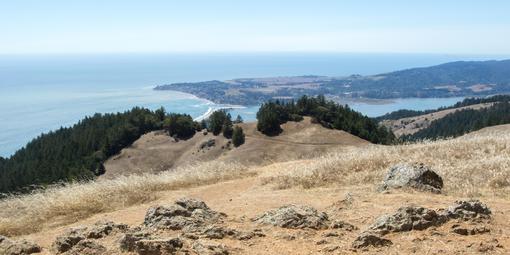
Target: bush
(238, 136)
(180, 125)
(216, 121)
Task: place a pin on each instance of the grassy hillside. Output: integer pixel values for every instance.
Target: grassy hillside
(344, 179)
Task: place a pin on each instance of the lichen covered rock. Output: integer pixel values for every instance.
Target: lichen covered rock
(416, 176)
(294, 216)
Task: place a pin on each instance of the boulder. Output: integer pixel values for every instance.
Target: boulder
(367, 239)
(187, 214)
(23, 247)
(158, 246)
(127, 241)
(468, 210)
(406, 219)
(88, 247)
(67, 240)
(294, 216)
(416, 176)
(338, 224)
(104, 228)
(209, 248)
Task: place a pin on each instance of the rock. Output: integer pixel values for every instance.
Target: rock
(209, 248)
(367, 239)
(470, 231)
(87, 247)
(23, 247)
(468, 210)
(127, 241)
(102, 229)
(214, 232)
(407, 219)
(416, 176)
(188, 214)
(249, 235)
(67, 240)
(294, 216)
(158, 247)
(207, 144)
(338, 224)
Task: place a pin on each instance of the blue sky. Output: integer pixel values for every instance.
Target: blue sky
(109, 26)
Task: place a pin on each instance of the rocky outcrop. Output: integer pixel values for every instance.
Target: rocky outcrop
(158, 246)
(88, 247)
(406, 219)
(466, 210)
(188, 214)
(367, 239)
(418, 218)
(416, 176)
(209, 248)
(23, 247)
(68, 240)
(71, 238)
(294, 216)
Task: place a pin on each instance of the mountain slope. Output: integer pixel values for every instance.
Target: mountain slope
(342, 184)
(155, 152)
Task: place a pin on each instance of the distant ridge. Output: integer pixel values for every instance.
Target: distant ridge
(461, 78)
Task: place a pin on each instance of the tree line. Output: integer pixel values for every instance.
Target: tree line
(464, 121)
(78, 152)
(326, 112)
(405, 113)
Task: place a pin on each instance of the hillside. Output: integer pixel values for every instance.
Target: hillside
(463, 78)
(156, 151)
(411, 125)
(342, 183)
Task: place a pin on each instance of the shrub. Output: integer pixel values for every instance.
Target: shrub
(238, 136)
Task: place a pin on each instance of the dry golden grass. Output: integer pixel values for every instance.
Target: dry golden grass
(474, 165)
(60, 205)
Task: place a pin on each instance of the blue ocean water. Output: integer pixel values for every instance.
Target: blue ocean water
(39, 93)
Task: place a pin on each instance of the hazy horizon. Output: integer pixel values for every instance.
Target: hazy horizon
(157, 26)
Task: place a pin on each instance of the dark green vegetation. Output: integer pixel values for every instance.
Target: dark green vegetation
(238, 136)
(328, 113)
(77, 152)
(464, 121)
(475, 78)
(220, 122)
(404, 113)
(180, 125)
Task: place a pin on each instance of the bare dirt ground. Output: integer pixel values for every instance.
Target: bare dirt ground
(411, 125)
(246, 198)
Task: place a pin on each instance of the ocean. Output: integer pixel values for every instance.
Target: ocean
(40, 93)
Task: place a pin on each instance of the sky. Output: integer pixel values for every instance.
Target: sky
(383, 26)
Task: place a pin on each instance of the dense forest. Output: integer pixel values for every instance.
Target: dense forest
(78, 152)
(464, 121)
(328, 113)
(404, 113)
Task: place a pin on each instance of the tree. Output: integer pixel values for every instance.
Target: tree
(226, 129)
(238, 136)
(268, 121)
(216, 120)
(238, 119)
(180, 125)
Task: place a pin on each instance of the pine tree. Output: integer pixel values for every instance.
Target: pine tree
(238, 136)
